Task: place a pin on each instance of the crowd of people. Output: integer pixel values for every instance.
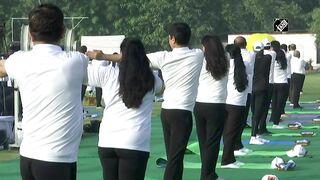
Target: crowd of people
(218, 84)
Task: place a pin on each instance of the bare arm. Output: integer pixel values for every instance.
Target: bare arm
(99, 55)
(3, 71)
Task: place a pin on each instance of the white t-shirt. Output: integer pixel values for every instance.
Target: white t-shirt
(248, 59)
(211, 90)
(234, 97)
(180, 70)
(273, 58)
(298, 65)
(122, 127)
(288, 57)
(280, 75)
(50, 83)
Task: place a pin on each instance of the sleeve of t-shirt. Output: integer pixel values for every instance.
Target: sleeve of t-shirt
(156, 59)
(11, 66)
(158, 83)
(97, 75)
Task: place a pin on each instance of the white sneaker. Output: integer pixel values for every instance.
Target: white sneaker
(239, 163)
(263, 140)
(291, 104)
(239, 153)
(255, 141)
(219, 178)
(277, 126)
(231, 166)
(246, 150)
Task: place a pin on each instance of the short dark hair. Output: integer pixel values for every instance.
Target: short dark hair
(292, 47)
(46, 23)
(181, 31)
(284, 47)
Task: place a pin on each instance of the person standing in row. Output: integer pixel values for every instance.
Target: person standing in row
(298, 75)
(49, 81)
(180, 70)
(125, 130)
(235, 106)
(209, 110)
(263, 123)
(292, 48)
(280, 87)
(288, 57)
(248, 59)
(260, 84)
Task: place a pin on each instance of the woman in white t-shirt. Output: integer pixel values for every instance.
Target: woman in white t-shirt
(280, 86)
(128, 92)
(235, 105)
(209, 110)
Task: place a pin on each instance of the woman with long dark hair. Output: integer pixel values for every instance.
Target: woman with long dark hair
(235, 105)
(128, 92)
(209, 109)
(280, 86)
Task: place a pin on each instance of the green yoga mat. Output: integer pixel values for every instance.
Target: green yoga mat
(195, 165)
(194, 147)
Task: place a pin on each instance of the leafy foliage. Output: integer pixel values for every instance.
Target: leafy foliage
(148, 19)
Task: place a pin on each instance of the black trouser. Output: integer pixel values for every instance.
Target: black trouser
(278, 101)
(263, 121)
(258, 105)
(287, 91)
(290, 89)
(210, 119)
(232, 127)
(238, 143)
(177, 127)
(123, 164)
(32, 169)
(297, 81)
(98, 96)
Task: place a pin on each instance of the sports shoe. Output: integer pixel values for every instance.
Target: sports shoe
(239, 153)
(263, 140)
(246, 150)
(239, 163)
(219, 178)
(255, 141)
(277, 127)
(231, 166)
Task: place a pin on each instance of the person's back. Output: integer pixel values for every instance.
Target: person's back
(180, 69)
(261, 72)
(50, 97)
(49, 81)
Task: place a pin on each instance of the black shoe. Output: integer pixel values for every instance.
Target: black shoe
(247, 126)
(161, 163)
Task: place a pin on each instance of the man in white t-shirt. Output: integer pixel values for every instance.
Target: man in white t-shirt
(49, 80)
(297, 78)
(248, 59)
(180, 70)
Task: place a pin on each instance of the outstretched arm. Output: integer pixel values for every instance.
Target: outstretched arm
(99, 55)
(3, 71)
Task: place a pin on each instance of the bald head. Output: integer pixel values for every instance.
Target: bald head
(240, 41)
(296, 53)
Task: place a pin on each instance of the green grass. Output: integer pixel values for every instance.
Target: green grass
(311, 88)
(256, 166)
